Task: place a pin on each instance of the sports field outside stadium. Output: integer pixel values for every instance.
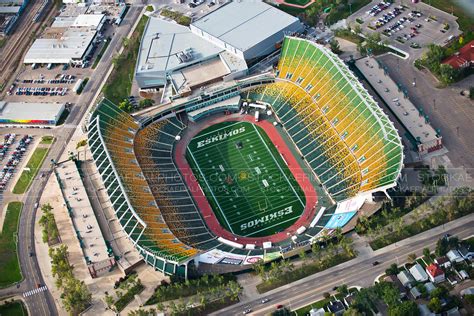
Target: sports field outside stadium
(246, 181)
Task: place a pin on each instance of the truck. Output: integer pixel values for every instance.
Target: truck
(257, 116)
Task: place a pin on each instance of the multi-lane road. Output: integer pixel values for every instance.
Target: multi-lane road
(357, 272)
(42, 303)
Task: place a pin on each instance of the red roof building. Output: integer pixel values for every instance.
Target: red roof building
(435, 273)
(462, 59)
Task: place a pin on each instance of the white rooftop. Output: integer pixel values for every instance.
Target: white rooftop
(245, 23)
(88, 20)
(63, 21)
(23, 112)
(72, 45)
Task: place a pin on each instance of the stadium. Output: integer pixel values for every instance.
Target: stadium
(206, 181)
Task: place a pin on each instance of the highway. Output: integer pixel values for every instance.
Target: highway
(42, 303)
(357, 272)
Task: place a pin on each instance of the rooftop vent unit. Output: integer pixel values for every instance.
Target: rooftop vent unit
(185, 56)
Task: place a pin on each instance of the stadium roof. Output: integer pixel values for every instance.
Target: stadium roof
(72, 45)
(23, 112)
(245, 23)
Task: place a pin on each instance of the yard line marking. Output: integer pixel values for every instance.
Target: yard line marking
(212, 193)
(211, 132)
(271, 154)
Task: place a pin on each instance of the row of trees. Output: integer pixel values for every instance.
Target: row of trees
(131, 287)
(75, 294)
(50, 233)
(127, 106)
(205, 301)
(327, 252)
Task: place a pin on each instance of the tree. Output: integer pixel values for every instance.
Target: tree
(439, 292)
(426, 252)
(392, 270)
(442, 247)
(342, 289)
(411, 257)
(447, 73)
(357, 29)
(326, 295)
(334, 45)
(469, 298)
(146, 103)
(126, 105)
(76, 296)
(352, 311)
(435, 305)
(142, 312)
(109, 300)
(406, 308)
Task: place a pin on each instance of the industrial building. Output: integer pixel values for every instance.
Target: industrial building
(10, 11)
(248, 29)
(20, 113)
(218, 47)
(71, 41)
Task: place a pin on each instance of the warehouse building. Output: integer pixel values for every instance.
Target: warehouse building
(23, 113)
(218, 47)
(247, 28)
(71, 42)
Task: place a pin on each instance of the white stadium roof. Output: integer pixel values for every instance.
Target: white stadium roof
(245, 23)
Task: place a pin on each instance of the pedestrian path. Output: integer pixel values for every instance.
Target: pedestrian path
(35, 291)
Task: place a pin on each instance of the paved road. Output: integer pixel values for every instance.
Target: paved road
(357, 272)
(42, 303)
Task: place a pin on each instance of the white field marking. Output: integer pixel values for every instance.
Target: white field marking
(212, 193)
(227, 126)
(268, 227)
(271, 154)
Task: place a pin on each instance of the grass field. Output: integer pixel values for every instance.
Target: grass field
(34, 164)
(13, 309)
(9, 266)
(47, 140)
(245, 179)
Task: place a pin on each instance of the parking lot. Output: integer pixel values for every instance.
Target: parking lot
(407, 26)
(12, 151)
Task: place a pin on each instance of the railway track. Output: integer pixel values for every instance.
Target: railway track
(20, 41)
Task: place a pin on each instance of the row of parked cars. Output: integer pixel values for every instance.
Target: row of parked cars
(7, 172)
(376, 9)
(386, 18)
(401, 25)
(65, 79)
(56, 91)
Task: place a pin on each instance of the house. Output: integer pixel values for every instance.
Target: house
(419, 273)
(454, 256)
(435, 273)
(430, 287)
(405, 278)
(468, 291)
(466, 251)
(336, 307)
(424, 310)
(317, 312)
(443, 262)
(452, 280)
(401, 289)
(415, 293)
(349, 299)
(462, 59)
(453, 312)
(463, 274)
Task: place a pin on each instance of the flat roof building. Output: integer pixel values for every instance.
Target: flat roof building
(30, 113)
(171, 53)
(247, 28)
(71, 45)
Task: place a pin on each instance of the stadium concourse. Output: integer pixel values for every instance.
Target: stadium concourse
(326, 123)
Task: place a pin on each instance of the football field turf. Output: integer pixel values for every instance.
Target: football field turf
(245, 179)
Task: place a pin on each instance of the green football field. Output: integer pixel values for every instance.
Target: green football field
(246, 181)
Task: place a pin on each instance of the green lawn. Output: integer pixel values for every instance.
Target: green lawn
(47, 140)
(245, 179)
(316, 305)
(34, 164)
(343, 11)
(299, 2)
(13, 309)
(119, 84)
(464, 20)
(9, 265)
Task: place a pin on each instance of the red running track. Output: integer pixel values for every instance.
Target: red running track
(203, 204)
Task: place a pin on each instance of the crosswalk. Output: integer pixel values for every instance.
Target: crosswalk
(35, 291)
